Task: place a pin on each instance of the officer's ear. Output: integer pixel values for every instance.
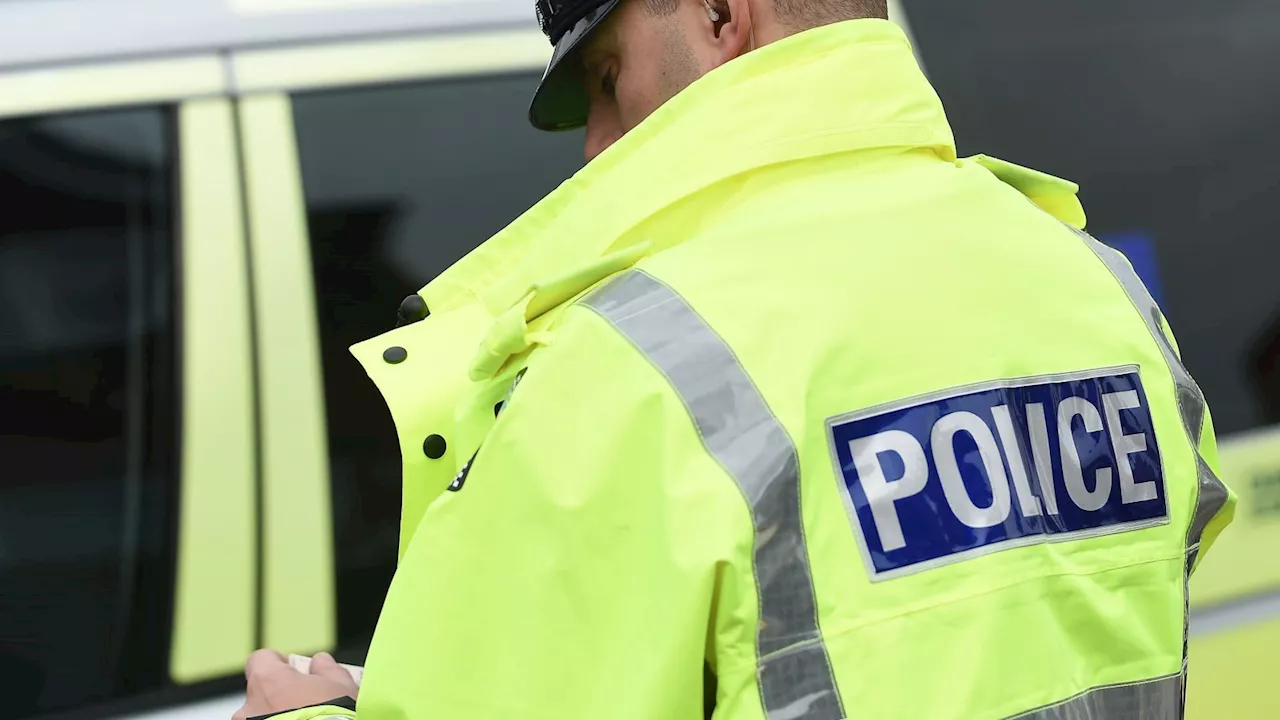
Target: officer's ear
(731, 25)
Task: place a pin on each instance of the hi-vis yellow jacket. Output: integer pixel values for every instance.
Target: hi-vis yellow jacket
(779, 387)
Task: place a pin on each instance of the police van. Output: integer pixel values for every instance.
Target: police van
(204, 204)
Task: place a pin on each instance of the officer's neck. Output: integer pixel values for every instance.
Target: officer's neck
(766, 28)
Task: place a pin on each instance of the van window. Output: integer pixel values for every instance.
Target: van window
(400, 182)
(88, 399)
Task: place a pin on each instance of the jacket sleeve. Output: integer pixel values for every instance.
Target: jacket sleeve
(1207, 447)
(574, 573)
(1209, 451)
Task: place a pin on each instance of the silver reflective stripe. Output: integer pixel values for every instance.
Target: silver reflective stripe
(742, 434)
(1212, 493)
(1159, 699)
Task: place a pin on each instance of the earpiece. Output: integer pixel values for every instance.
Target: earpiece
(711, 12)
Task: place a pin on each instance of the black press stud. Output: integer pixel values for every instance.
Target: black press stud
(412, 309)
(434, 447)
(395, 355)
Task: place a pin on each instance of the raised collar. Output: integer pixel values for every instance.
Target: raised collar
(844, 87)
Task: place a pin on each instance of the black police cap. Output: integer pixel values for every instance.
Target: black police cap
(560, 102)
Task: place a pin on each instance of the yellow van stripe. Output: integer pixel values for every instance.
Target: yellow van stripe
(297, 554)
(215, 603)
(1242, 561)
(1232, 674)
(390, 60)
(32, 92)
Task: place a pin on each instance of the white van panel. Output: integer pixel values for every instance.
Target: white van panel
(433, 56)
(42, 32)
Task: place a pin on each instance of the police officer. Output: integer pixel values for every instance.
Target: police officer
(778, 388)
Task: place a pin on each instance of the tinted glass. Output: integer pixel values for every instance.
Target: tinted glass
(87, 408)
(1165, 113)
(400, 182)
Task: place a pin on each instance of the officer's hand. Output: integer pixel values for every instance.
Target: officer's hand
(275, 686)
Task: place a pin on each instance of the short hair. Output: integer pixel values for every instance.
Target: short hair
(806, 14)
(802, 14)
(659, 8)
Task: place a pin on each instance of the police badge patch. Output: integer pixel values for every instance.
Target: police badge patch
(972, 470)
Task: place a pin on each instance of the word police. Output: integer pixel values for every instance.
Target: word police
(939, 479)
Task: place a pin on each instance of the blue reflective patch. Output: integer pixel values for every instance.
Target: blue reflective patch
(1003, 464)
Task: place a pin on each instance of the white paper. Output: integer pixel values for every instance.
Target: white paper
(302, 664)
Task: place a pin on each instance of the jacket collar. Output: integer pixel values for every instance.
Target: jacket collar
(844, 87)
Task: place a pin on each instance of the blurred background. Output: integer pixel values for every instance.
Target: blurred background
(203, 203)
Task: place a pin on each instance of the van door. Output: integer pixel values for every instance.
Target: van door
(127, 495)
